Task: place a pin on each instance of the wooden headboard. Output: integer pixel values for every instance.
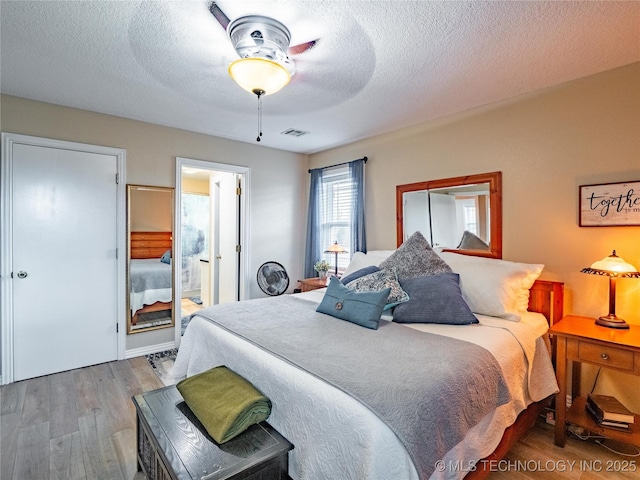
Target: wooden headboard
(547, 298)
(150, 244)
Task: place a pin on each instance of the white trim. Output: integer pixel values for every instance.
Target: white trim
(6, 234)
(245, 224)
(149, 349)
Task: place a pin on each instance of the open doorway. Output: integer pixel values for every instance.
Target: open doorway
(211, 241)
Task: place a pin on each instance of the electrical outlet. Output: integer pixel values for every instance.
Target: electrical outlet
(551, 418)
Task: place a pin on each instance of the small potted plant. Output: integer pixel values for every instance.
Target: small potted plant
(322, 267)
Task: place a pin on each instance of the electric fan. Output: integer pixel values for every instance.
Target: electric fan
(272, 278)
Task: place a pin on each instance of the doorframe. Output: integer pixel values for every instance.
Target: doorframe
(6, 239)
(245, 182)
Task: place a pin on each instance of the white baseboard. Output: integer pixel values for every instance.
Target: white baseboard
(139, 352)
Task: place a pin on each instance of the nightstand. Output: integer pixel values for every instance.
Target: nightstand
(314, 283)
(580, 340)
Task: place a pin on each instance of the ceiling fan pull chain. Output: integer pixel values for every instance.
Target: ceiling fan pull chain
(259, 94)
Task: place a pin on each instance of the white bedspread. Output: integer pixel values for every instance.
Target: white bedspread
(149, 296)
(347, 441)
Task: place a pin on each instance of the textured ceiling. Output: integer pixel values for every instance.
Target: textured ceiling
(378, 65)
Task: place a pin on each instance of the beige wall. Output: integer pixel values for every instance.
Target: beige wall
(278, 178)
(546, 145)
(190, 185)
(150, 210)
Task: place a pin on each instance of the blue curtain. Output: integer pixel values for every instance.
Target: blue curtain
(357, 235)
(313, 249)
(358, 232)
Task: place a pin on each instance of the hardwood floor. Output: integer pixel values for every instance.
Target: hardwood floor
(187, 307)
(74, 425)
(80, 425)
(536, 456)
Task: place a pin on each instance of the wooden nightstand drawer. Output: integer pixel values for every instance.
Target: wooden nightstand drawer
(606, 356)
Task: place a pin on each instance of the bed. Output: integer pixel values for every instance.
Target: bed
(338, 435)
(150, 280)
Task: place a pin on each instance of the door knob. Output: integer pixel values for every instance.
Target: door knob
(22, 274)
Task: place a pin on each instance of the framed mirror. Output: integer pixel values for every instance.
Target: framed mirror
(460, 214)
(149, 261)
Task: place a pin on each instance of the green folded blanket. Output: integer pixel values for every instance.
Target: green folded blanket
(225, 403)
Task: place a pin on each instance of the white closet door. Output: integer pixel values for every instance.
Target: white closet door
(64, 259)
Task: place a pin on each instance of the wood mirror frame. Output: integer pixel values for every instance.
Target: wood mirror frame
(149, 237)
(494, 179)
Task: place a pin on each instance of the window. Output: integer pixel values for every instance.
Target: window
(336, 200)
(336, 214)
(470, 223)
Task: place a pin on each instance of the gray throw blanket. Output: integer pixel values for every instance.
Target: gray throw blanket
(429, 389)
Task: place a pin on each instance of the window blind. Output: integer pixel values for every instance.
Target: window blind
(337, 200)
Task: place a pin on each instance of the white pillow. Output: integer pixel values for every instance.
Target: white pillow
(383, 254)
(498, 288)
(359, 260)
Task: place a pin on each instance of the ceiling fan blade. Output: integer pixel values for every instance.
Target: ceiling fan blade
(219, 15)
(303, 47)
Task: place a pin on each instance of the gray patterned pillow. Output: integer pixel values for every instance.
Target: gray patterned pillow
(380, 280)
(415, 258)
(470, 241)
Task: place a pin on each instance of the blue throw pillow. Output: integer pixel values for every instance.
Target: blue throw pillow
(434, 299)
(359, 273)
(166, 257)
(362, 308)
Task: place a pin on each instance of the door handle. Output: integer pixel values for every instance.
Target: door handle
(22, 274)
(218, 257)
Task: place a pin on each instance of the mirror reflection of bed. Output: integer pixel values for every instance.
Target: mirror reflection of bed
(150, 267)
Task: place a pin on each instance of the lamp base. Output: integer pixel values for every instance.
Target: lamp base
(612, 321)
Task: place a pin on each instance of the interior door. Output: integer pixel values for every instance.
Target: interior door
(228, 257)
(64, 209)
(443, 209)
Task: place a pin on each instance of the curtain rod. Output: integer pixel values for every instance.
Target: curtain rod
(343, 163)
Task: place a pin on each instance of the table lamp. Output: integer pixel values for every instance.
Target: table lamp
(336, 248)
(613, 267)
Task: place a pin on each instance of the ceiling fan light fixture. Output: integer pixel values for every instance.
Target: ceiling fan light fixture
(255, 74)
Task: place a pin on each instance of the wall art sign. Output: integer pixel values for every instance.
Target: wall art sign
(610, 204)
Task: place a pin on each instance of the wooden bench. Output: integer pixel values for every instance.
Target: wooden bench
(173, 444)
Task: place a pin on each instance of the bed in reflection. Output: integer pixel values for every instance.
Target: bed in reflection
(389, 403)
(150, 278)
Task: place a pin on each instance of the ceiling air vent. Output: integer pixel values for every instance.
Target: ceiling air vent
(292, 132)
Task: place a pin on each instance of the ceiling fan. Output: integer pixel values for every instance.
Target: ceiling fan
(264, 42)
